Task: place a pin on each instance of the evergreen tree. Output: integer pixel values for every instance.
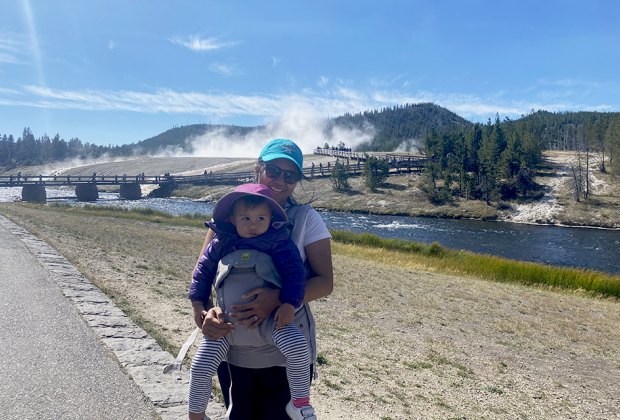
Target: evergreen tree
(376, 172)
(6, 151)
(45, 149)
(488, 158)
(26, 149)
(340, 177)
(59, 148)
(612, 144)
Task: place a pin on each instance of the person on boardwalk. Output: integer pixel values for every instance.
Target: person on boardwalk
(249, 218)
(254, 381)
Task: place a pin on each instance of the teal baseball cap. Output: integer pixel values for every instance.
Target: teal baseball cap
(283, 149)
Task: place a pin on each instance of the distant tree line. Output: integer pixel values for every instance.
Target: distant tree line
(487, 162)
(28, 150)
(498, 160)
(410, 127)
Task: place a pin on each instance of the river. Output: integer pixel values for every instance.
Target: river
(595, 249)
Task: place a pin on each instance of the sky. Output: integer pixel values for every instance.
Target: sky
(114, 72)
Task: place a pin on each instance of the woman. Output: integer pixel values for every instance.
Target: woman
(259, 387)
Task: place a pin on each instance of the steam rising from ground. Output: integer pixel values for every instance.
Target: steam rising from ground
(301, 125)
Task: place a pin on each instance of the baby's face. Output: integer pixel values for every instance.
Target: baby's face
(251, 222)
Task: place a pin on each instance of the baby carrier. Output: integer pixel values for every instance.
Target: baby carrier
(237, 273)
(247, 269)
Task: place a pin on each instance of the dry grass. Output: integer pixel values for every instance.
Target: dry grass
(396, 341)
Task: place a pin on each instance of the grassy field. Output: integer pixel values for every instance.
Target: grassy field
(411, 331)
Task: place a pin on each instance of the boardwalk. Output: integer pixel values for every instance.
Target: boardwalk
(86, 187)
(354, 163)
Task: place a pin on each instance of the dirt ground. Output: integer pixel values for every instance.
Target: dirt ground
(395, 342)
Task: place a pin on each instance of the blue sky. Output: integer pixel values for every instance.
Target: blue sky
(120, 71)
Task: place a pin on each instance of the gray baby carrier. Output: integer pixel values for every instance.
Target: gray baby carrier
(247, 269)
(237, 273)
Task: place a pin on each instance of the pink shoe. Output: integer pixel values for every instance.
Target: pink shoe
(303, 413)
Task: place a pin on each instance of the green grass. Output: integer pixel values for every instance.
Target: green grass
(141, 214)
(489, 267)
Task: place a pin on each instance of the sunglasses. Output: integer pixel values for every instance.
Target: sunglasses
(274, 172)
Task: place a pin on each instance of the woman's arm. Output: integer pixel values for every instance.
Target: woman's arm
(319, 257)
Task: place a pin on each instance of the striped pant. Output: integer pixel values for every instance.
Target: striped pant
(211, 353)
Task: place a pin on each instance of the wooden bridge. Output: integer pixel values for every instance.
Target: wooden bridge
(33, 186)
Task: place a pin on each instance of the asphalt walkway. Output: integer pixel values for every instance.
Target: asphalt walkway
(53, 365)
(67, 352)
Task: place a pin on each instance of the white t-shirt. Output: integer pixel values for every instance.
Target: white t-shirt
(310, 227)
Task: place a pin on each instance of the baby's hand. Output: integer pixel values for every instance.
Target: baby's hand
(284, 314)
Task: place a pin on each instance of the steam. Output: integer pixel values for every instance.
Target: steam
(410, 145)
(301, 124)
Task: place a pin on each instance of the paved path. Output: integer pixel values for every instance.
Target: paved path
(67, 352)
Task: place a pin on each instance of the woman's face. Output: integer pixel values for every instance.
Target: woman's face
(280, 188)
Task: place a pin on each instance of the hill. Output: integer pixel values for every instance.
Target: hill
(179, 138)
(402, 127)
(398, 128)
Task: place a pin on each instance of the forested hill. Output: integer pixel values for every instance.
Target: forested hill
(179, 137)
(404, 126)
(571, 130)
(400, 127)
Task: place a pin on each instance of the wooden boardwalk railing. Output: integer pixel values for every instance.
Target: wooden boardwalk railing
(354, 164)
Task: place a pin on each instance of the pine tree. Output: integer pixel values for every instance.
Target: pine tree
(340, 177)
(376, 172)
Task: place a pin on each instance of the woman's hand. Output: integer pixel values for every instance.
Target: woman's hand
(214, 325)
(262, 303)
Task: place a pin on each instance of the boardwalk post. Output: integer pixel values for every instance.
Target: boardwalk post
(34, 192)
(130, 191)
(86, 192)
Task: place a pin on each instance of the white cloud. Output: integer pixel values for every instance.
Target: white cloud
(111, 44)
(304, 105)
(196, 43)
(8, 58)
(11, 48)
(571, 83)
(275, 61)
(223, 69)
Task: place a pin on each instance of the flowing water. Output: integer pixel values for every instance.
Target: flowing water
(596, 249)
